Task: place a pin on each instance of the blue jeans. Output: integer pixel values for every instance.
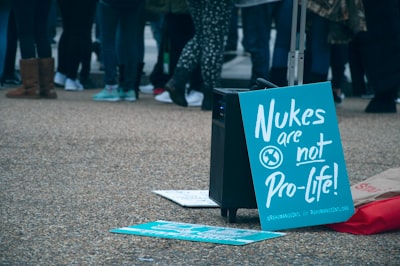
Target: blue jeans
(283, 23)
(120, 35)
(317, 60)
(75, 44)
(256, 22)
(4, 14)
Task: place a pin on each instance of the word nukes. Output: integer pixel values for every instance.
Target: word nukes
(295, 117)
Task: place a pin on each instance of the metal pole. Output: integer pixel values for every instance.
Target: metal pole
(292, 52)
(300, 66)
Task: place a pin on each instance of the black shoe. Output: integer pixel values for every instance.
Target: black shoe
(336, 98)
(88, 83)
(177, 94)
(378, 105)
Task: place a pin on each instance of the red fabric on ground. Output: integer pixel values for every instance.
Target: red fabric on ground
(372, 218)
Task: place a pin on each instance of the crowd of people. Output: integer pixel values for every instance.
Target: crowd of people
(194, 40)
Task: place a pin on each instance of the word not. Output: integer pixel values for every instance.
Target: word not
(312, 154)
(286, 119)
(315, 188)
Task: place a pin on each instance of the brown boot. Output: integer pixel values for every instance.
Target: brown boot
(29, 69)
(46, 77)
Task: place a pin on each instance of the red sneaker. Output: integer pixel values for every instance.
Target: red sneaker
(157, 91)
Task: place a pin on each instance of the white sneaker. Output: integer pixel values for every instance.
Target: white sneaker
(194, 98)
(60, 79)
(73, 85)
(79, 84)
(146, 89)
(163, 97)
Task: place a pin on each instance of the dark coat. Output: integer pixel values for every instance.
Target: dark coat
(346, 17)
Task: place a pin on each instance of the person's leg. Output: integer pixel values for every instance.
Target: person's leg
(180, 30)
(317, 59)
(77, 25)
(140, 49)
(158, 77)
(29, 65)
(212, 46)
(9, 74)
(256, 31)
(4, 18)
(96, 45)
(383, 72)
(86, 14)
(52, 22)
(178, 39)
(43, 46)
(338, 61)
(63, 47)
(233, 36)
(130, 45)
(109, 21)
(68, 58)
(177, 30)
(156, 28)
(25, 21)
(283, 24)
(356, 63)
(189, 58)
(320, 47)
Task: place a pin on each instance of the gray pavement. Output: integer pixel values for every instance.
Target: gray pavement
(71, 169)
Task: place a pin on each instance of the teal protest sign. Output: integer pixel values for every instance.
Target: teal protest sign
(296, 156)
(197, 232)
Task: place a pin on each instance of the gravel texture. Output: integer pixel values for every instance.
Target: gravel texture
(72, 169)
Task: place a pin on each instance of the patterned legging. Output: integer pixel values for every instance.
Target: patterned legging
(211, 22)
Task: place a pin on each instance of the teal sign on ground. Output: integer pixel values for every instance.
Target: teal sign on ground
(197, 232)
(296, 156)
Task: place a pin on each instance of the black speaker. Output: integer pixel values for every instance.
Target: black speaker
(231, 185)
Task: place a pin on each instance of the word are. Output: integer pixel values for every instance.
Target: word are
(286, 119)
(317, 185)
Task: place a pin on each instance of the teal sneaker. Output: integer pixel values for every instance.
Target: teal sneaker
(129, 96)
(109, 94)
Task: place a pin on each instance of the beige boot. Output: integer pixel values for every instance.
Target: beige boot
(46, 77)
(29, 70)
